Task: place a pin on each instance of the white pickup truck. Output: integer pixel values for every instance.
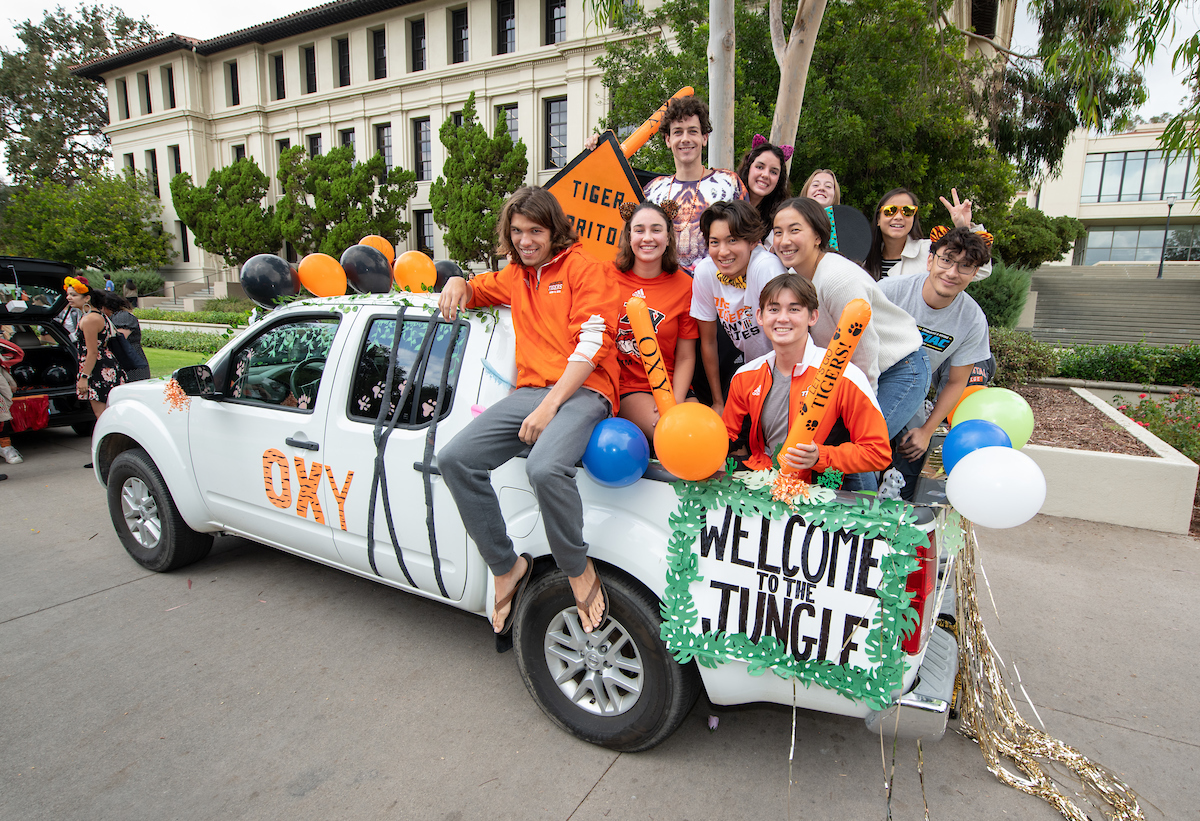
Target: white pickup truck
(316, 431)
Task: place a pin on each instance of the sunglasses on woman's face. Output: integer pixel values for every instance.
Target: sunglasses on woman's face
(890, 210)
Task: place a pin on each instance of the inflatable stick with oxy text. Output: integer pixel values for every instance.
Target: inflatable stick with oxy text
(647, 345)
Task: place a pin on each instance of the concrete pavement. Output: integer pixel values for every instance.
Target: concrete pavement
(271, 687)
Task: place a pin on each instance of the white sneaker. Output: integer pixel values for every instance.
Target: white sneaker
(11, 455)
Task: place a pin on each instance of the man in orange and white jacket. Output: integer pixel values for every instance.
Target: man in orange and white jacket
(762, 390)
(564, 313)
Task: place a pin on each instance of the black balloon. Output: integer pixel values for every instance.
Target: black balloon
(446, 268)
(24, 375)
(266, 278)
(853, 233)
(56, 376)
(367, 269)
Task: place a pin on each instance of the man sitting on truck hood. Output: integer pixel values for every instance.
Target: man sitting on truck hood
(564, 313)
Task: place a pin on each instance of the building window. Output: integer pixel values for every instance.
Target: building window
(1137, 176)
(277, 70)
(239, 152)
(314, 145)
(506, 26)
(128, 163)
(1140, 244)
(181, 231)
(383, 144)
(310, 68)
(379, 54)
(423, 221)
(232, 95)
(456, 118)
(280, 147)
(556, 21)
(422, 149)
(417, 44)
(122, 99)
(143, 81)
(508, 113)
(556, 132)
(342, 47)
(459, 49)
(168, 85)
(152, 171)
(346, 137)
(176, 159)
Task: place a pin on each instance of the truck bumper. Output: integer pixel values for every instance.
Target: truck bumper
(923, 711)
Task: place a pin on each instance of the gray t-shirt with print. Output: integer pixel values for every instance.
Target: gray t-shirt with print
(958, 332)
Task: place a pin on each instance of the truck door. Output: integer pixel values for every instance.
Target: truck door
(259, 454)
(411, 551)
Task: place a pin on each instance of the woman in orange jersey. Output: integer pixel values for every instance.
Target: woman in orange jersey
(647, 266)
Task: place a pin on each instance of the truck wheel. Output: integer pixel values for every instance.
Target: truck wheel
(145, 517)
(618, 686)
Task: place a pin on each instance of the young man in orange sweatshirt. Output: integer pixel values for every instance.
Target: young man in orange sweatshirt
(771, 389)
(564, 312)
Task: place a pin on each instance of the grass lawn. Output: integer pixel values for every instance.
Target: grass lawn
(164, 362)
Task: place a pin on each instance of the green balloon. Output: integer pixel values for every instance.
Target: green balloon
(1001, 406)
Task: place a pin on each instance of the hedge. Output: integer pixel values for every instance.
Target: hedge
(195, 341)
(1020, 358)
(1136, 362)
(215, 317)
(1003, 295)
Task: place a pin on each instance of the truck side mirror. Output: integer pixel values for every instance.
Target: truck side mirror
(196, 380)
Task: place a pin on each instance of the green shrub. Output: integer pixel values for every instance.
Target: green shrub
(233, 304)
(148, 283)
(216, 317)
(1002, 296)
(1138, 363)
(182, 341)
(1175, 420)
(1020, 358)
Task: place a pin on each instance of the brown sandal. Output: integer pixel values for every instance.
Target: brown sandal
(513, 595)
(586, 605)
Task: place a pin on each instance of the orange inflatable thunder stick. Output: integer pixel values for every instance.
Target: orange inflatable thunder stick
(841, 347)
(646, 130)
(647, 346)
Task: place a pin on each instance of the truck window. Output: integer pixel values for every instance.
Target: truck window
(282, 367)
(366, 395)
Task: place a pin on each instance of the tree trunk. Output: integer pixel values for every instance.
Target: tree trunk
(720, 82)
(794, 56)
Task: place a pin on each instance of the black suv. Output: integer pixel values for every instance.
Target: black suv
(32, 307)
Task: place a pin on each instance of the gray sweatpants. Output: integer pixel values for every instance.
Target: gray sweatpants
(490, 440)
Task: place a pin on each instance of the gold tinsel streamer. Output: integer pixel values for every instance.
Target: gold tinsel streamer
(990, 718)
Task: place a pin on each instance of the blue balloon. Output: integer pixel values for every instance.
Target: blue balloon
(617, 454)
(971, 435)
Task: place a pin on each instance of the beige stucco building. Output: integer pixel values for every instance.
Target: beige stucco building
(1120, 186)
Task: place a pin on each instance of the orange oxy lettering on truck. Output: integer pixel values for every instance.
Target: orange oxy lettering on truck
(271, 458)
(340, 495)
(310, 483)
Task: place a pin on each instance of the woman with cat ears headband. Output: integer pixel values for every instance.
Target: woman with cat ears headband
(647, 266)
(764, 171)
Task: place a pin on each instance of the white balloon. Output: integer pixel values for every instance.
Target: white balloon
(996, 487)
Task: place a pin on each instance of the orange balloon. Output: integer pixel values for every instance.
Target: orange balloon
(690, 441)
(380, 244)
(414, 271)
(970, 389)
(322, 275)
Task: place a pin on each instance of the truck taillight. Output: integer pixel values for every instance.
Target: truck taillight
(921, 584)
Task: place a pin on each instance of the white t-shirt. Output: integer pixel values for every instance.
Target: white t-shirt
(713, 300)
(958, 332)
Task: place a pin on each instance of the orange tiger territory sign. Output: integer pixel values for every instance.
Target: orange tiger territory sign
(837, 356)
(591, 190)
(647, 345)
(647, 129)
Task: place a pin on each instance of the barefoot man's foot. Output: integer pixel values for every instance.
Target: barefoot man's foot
(591, 600)
(508, 587)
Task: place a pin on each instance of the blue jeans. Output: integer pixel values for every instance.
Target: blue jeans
(902, 389)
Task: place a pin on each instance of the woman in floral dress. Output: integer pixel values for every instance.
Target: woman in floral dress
(99, 371)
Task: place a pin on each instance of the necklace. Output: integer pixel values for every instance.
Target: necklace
(736, 282)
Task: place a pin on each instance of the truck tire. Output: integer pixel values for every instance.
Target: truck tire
(146, 519)
(617, 687)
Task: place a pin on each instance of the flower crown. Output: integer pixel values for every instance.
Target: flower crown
(626, 209)
(759, 139)
(79, 286)
(939, 231)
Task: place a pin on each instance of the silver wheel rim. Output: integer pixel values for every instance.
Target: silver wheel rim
(600, 672)
(140, 510)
